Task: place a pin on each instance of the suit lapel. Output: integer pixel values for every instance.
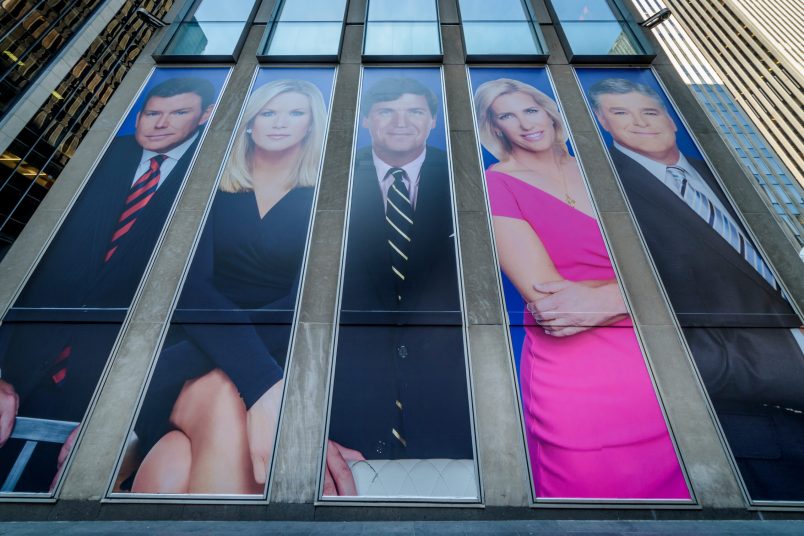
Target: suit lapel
(432, 206)
(641, 183)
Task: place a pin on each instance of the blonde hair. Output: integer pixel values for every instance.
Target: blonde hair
(500, 146)
(237, 175)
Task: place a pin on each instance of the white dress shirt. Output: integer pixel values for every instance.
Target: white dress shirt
(659, 170)
(412, 170)
(173, 157)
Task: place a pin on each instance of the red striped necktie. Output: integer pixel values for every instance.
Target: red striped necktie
(140, 194)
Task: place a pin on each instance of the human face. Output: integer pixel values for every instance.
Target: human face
(641, 124)
(164, 123)
(523, 122)
(282, 123)
(399, 128)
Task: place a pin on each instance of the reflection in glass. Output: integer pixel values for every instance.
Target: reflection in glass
(409, 10)
(305, 38)
(480, 10)
(591, 433)
(208, 420)
(586, 10)
(604, 38)
(313, 10)
(217, 11)
(402, 38)
(205, 38)
(305, 29)
(508, 29)
(500, 38)
(399, 415)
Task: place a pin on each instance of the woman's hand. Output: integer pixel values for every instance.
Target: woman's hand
(570, 307)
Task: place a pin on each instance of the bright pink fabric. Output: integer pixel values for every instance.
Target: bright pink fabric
(594, 426)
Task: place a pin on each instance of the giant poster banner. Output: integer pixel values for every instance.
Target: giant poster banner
(56, 338)
(400, 421)
(594, 427)
(743, 335)
(208, 420)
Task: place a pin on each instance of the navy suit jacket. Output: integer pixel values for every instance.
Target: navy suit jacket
(735, 325)
(73, 286)
(410, 351)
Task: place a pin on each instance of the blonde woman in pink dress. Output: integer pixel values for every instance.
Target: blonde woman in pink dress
(594, 426)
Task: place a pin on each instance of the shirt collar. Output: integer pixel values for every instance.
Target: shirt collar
(656, 169)
(412, 168)
(175, 154)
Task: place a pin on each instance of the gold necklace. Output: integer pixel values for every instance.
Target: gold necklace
(567, 197)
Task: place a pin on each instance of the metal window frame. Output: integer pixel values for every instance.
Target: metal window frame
(270, 31)
(160, 55)
(508, 58)
(630, 24)
(390, 58)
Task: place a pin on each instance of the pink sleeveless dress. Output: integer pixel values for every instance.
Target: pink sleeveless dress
(594, 426)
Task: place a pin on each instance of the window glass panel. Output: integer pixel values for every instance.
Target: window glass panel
(409, 10)
(578, 415)
(216, 10)
(305, 38)
(57, 337)
(220, 370)
(408, 38)
(500, 38)
(585, 10)
(743, 335)
(205, 38)
(314, 10)
(480, 10)
(600, 38)
(400, 393)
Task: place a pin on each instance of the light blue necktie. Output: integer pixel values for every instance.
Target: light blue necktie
(676, 179)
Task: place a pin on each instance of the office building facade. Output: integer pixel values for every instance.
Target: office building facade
(371, 260)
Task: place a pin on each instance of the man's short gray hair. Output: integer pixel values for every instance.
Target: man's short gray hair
(621, 86)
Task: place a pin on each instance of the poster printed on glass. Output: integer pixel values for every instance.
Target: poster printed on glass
(594, 426)
(400, 421)
(744, 336)
(208, 419)
(56, 338)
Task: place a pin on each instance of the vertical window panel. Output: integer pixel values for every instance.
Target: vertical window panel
(741, 330)
(210, 29)
(303, 29)
(592, 433)
(509, 31)
(599, 30)
(56, 338)
(402, 29)
(399, 409)
(207, 422)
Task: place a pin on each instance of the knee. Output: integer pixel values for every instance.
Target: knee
(166, 467)
(208, 403)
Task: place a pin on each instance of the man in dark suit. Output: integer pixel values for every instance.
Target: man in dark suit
(400, 377)
(57, 336)
(740, 328)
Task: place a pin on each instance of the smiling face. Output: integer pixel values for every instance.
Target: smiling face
(399, 128)
(641, 124)
(164, 123)
(282, 123)
(523, 122)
